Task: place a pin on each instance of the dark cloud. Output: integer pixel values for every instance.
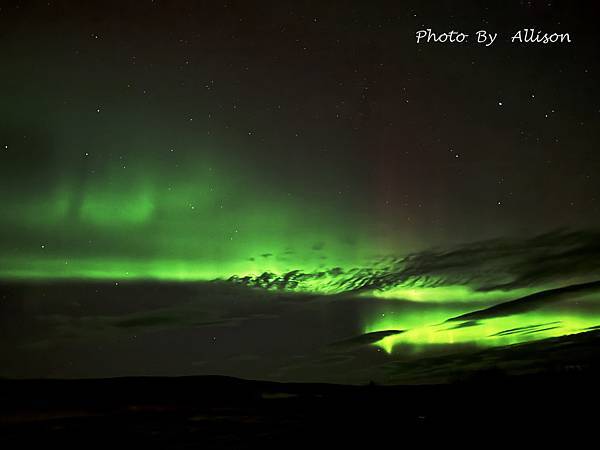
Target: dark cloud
(467, 324)
(150, 321)
(526, 329)
(510, 263)
(365, 339)
(555, 258)
(529, 302)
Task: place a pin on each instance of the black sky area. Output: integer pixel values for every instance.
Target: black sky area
(329, 102)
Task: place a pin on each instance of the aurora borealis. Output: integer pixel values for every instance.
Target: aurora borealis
(290, 190)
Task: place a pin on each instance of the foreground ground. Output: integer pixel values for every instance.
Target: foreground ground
(220, 412)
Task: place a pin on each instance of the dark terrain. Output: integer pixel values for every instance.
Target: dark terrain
(221, 412)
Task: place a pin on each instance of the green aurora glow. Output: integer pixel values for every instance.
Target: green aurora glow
(214, 221)
(491, 332)
(430, 326)
(142, 224)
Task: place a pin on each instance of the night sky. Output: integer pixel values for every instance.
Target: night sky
(289, 146)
